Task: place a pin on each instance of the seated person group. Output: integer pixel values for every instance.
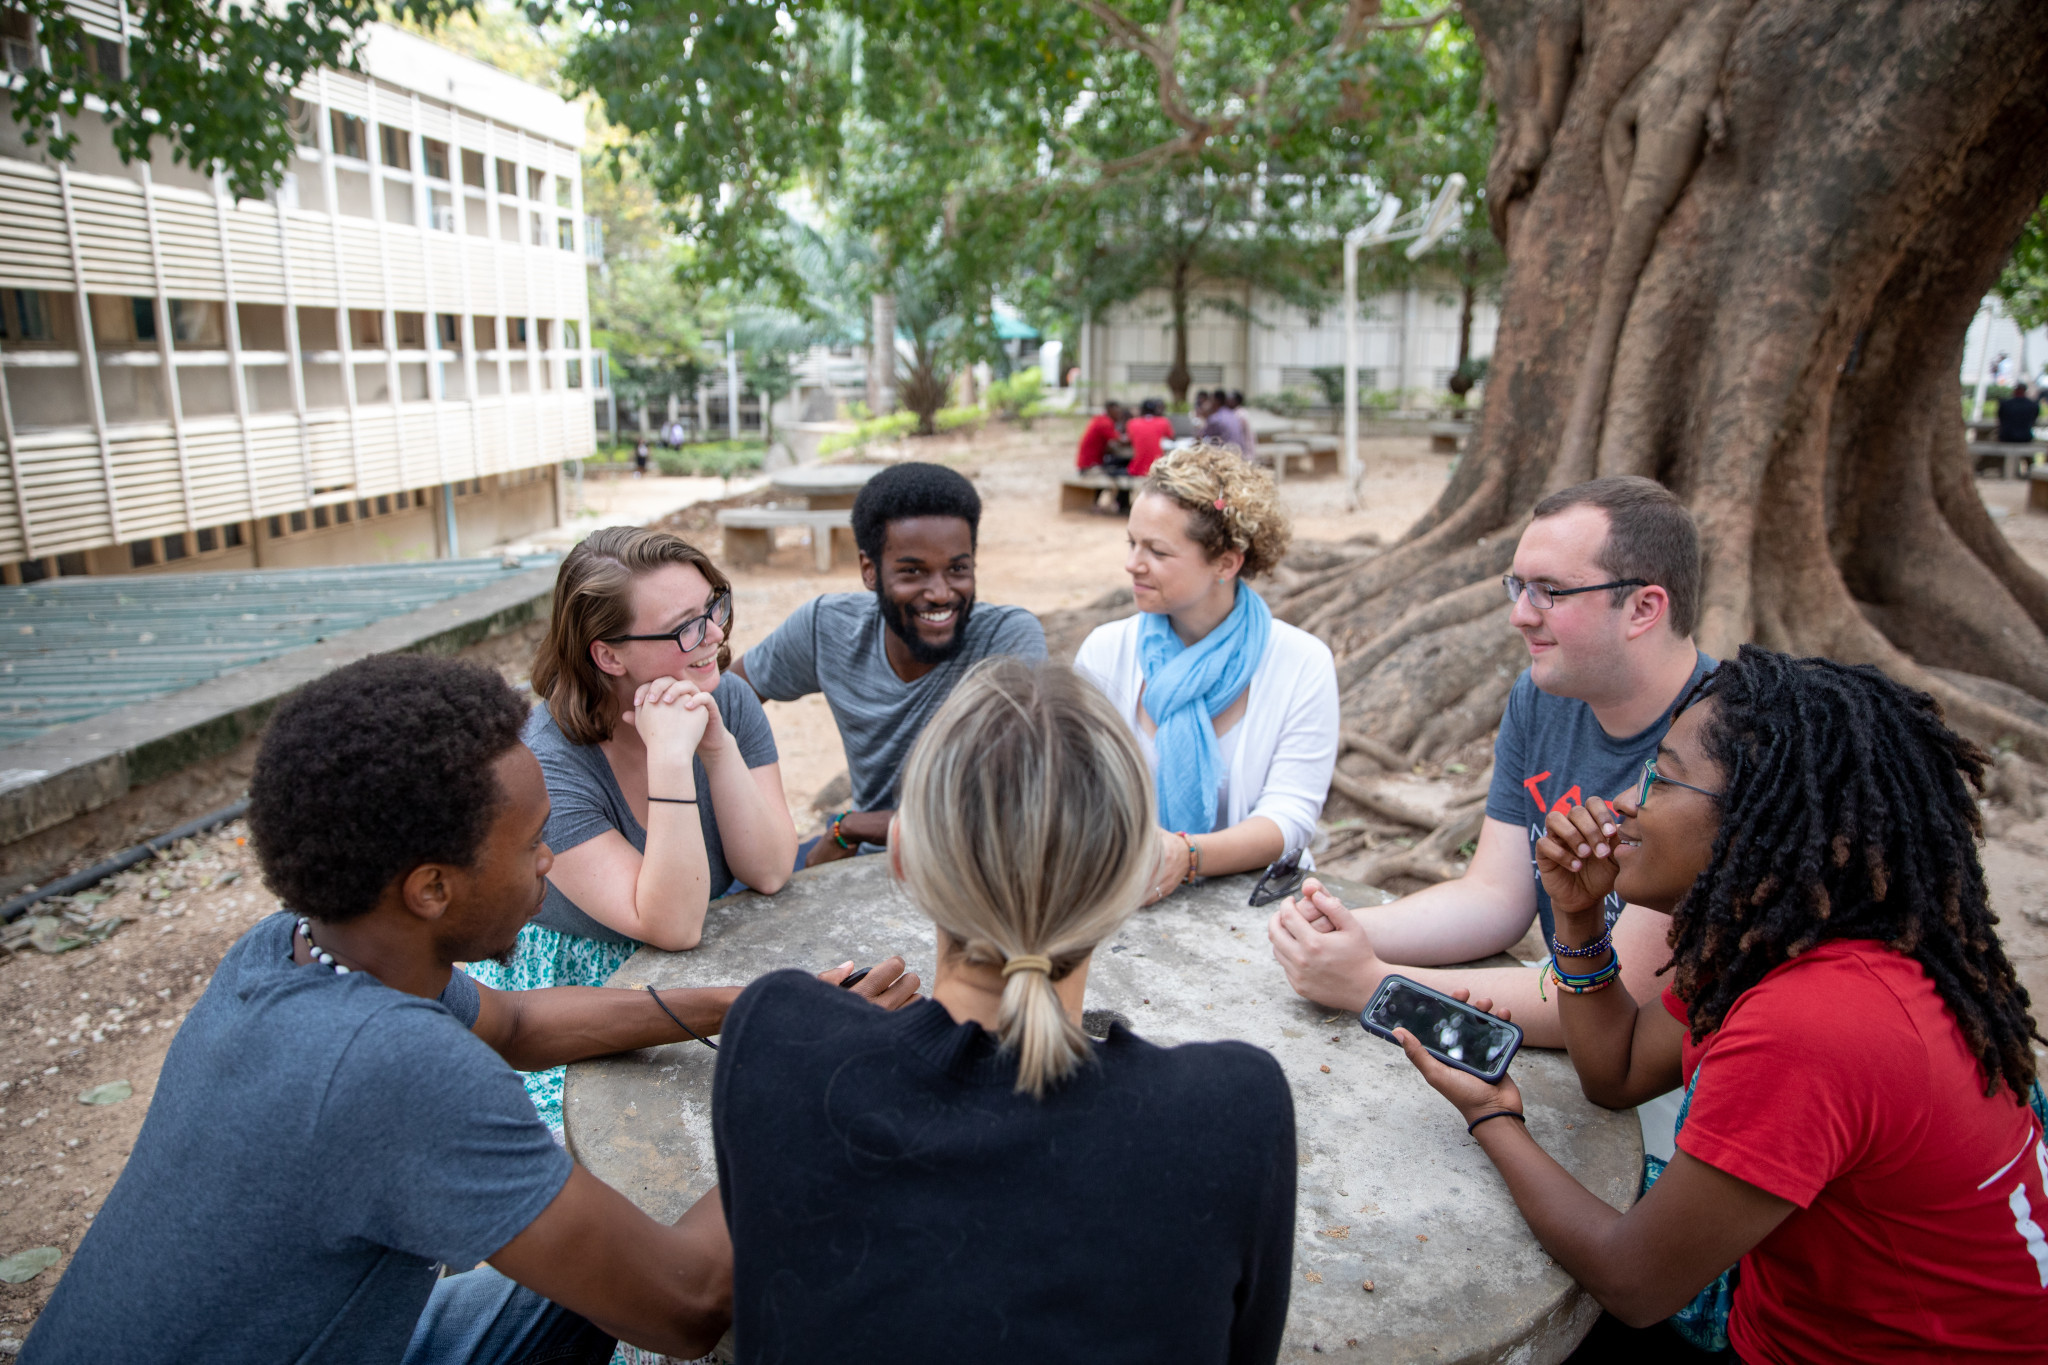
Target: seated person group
(354, 1149)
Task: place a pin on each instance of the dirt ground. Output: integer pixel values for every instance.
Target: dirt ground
(77, 1020)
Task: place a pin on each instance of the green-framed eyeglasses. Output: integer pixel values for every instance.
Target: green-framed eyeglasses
(1651, 777)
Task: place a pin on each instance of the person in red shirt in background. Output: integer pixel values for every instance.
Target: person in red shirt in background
(1104, 430)
(1148, 432)
(1857, 1138)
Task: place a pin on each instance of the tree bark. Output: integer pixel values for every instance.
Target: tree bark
(1744, 241)
(1177, 376)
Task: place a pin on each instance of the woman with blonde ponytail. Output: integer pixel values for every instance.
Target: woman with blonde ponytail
(972, 1177)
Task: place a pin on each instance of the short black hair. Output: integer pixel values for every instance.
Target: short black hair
(1153, 407)
(378, 767)
(913, 489)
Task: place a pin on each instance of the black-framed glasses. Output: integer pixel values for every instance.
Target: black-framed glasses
(1651, 777)
(690, 633)
(1543, 597)
(1280, 881)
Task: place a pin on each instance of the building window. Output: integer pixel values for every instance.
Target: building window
(508, 178)
(174, 547)
(401, 501)
(565, 234)
(25, 316)
(277, 528)
(209, 541)
(473, 168)
(72, 565)
(303, 120)
(397, 147)
(33, 570)
(441, 211)
(145, 319)
(536, 184)
(341, 516)
(18, 37)
(107, 57)
(437, 158)
(141, 554)
(351, 135)
(298, 522)
(231, 535)
(516, 328)
(384, 504)
(319, 518)
(539, 224)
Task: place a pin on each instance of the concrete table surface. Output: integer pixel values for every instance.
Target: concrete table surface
(825, 486)
(1390, 1189)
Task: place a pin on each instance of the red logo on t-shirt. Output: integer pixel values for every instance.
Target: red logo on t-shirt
(1567, 800)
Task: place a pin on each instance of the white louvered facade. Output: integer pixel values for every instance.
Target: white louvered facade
(405, 323)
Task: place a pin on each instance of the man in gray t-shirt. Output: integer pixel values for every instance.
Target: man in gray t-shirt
(888, 658)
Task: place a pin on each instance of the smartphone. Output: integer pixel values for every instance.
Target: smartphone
(1449, 1030)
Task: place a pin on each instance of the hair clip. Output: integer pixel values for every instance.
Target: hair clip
(1220, 505)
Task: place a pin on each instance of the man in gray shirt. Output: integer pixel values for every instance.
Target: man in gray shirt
(888, 658)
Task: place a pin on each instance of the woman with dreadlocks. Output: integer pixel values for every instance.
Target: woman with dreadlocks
(1855, 1047)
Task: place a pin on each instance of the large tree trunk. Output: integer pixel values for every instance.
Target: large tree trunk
(1744, 240)
(1177, 376)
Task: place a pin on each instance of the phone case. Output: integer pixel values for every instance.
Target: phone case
(1491, 1077)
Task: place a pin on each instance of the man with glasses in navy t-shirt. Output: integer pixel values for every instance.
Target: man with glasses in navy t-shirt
(1605, 590)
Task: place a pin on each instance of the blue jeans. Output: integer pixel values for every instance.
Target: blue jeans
(481, 1318)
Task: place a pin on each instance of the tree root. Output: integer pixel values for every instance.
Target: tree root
(1357, 742)
(1432, 858)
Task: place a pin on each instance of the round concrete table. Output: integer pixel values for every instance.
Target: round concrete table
(1391, 1190)
(825, 487)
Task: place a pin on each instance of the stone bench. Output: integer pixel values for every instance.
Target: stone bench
(2037, 490)
(1080, 489)
(749, 533)
(2010, 459)
(1448, 438)
(1316, 458)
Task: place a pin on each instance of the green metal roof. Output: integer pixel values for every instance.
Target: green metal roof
(74, 648)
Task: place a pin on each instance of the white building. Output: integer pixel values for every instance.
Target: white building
(387, 360)
(1408, 343)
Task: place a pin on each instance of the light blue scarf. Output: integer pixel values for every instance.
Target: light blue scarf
(1186, 686)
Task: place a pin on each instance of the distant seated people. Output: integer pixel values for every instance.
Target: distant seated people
(971, 1178)
(1148, 433)
(1857, 1050)
(661, 770)
(1234, 402)
(2017, 415)
(338, 1121)
(1605, 590)
(1236, 712)
(1100, 441)
(1222, 423)
(887, 658)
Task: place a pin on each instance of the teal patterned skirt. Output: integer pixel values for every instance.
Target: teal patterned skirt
(545, 957)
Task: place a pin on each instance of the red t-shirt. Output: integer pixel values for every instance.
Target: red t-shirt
(1841, 1082)
(1146, 434)
(1094, 441)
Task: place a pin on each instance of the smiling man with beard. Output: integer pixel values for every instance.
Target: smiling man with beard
(339, 1121)
(888, 658)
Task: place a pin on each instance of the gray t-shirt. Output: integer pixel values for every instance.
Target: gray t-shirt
(1552, 751)
(585, 800)
(834, 644)
(317, 1146)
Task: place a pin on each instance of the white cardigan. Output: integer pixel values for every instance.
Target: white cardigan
(1287, 742)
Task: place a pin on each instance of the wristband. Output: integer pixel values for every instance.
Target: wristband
(1598, 946)
(1587, 984)
(839, 838)
(674, 800)
(1497, 1114)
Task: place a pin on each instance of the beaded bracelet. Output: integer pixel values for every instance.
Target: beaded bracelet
(1587, 984)
(1593, 949)
(839, 838)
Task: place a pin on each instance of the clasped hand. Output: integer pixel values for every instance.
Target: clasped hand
(676, 718)
(1575, 856)
(887, 983)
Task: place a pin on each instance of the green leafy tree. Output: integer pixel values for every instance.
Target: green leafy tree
(2023, 285)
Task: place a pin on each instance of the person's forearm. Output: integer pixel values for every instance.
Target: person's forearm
(555, 1025)
(1598, 1026)
(1570, 1222)
(760, 843)
(674, 885)
(865, 826)
(1455, 921)
(1249, 845)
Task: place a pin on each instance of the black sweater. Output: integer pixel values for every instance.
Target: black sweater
(892, 1198)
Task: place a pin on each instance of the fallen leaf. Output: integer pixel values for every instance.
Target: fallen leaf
(1367, 1286)
(113, 1092)
(1422, 1237)
(1326, 1068)
(1338, 1232)
(24, 1266)
(1313, 1277)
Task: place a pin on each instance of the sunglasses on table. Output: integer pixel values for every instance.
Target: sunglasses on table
(1280, 881)
(1543, 597)
(691, 632)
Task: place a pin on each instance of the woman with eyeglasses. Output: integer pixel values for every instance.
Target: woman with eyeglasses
(1860, 1138)
(661, 769)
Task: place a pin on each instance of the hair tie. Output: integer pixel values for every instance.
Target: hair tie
(1221, 505)
(1027, 962)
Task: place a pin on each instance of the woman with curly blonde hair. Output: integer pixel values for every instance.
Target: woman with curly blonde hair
(1236, 712)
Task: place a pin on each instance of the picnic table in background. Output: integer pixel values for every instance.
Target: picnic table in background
(823, 494)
